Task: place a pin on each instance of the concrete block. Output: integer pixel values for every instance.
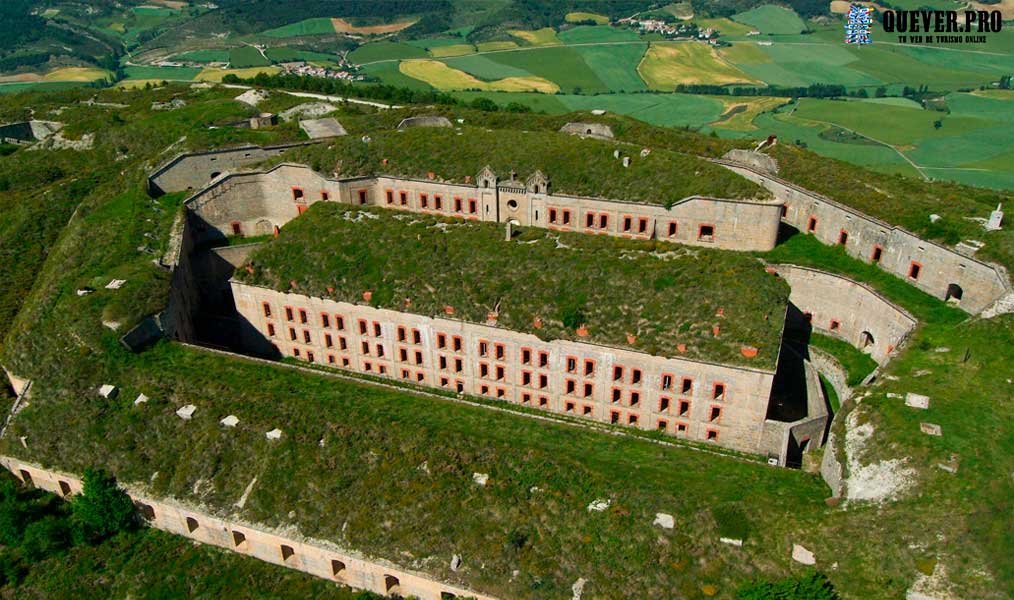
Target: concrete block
(141, 399)
(931, 429)
(598, 505)
(230, 421)
(480, 478)
(108, 391)
(274, 434)
(917, 400)
(802, 555)
(186, 412)
(731, 542)
(665, 521)
(115, 284)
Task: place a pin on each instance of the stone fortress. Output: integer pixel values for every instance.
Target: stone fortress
(706, 403)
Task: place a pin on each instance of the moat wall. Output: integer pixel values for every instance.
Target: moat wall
(847, 309)
(317, 558)
(941, 272)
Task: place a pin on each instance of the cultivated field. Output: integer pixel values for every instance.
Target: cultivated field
(770, 19)
(218, 74)
(540, 37)
(443, 77)
(76, 74)
(667, 64)
(577, 17)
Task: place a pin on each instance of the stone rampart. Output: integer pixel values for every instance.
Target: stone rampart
(193, 170)
(689, 399)
(316, 557)
(254, 203)
(849, 310)
(931, 267)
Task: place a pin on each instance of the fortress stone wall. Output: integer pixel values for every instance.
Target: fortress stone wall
(321, 559)
(257, 202)
(694, 400)
(935, 269)
(849, 310)
(193, 170)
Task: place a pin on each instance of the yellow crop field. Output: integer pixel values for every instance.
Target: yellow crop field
(490, 46)
(452, 50)
(740, 111)
(540, 37)
(343, 26)
(218, 74)
(666, 65)
(442, 77)
(77, 74)
(577, 17)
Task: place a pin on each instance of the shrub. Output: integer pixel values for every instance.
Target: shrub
(103, 509)
(814, 586)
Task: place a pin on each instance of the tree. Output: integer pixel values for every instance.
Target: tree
(938, 124)
(102, 509)
(45, 537)
(881, 92)
(814, 586)
(13, 516)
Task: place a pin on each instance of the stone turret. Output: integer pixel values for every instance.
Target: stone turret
(537, 183)
(486, 178)
(995, 219)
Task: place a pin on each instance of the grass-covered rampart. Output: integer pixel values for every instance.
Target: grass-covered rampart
(664, 295)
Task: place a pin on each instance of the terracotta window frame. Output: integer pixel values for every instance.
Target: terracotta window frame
(482, 348)
(674, 229)
(627, 224)
(328, 341)
(271, 330)
(642, 226)
(603, 221)
(565, 217)
(719, 391)
(438, 202)
(499, 351)
(570, 364)
(339, 322)
(704, 237)
(685, 389)
(325, 195)
(811, 224)
(457, 343)
(473, 206)
(715, 414)
(290, 314)
(292, 334)
(266, 307)
(589, 367)
(634, 399)
(914, 270)
(835, 325)
(843, 237)
(304, 318)
(364, 196)
(543, 359)
(441, 340)
(662, 425)
(403, 198)
(618, 372)
(615, 395)
(711, 435)
(636, 376)
(424, 201)
(662, 381)
(306, 337)
(683, 408)
(877, 254)
(552, 215)
(543, 381)
(364, 326)
(389, 196)
(664, 404)
(458, 204)
(325, 320)
(297, 193)
(526, 356)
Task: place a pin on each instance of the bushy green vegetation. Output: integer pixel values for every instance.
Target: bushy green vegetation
(814, 586)
(612, 285)
(772, 19)
(40, 559)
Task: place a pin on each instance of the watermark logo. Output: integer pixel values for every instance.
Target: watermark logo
(857, 25)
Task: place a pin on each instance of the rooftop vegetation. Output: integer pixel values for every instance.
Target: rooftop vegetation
(663, 294)
(574, 165)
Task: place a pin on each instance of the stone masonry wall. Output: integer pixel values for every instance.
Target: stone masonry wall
(937, 269)
(260, 201)
(847, 309)
(695, 400)
(318, 558)
(193, 170)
